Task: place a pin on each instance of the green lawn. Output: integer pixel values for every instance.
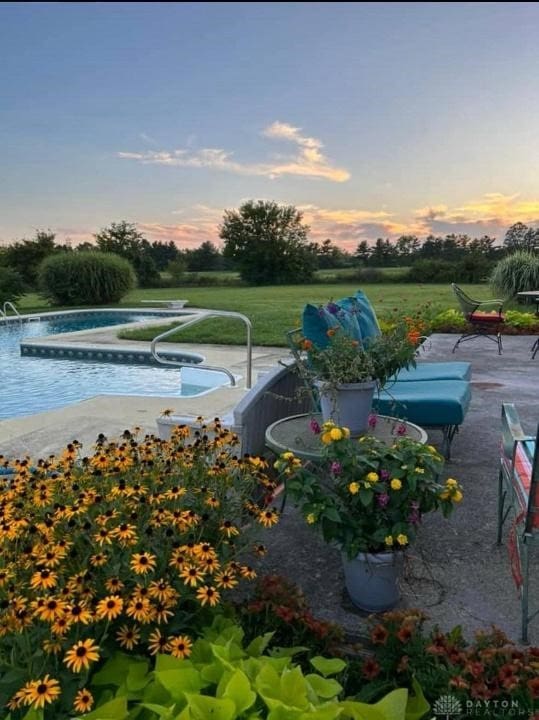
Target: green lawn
(273, 310)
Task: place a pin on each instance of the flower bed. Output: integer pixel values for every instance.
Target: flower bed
(133, 547)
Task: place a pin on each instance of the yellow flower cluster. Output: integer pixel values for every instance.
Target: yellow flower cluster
(333, 433)
(104, 551)
(452, 491)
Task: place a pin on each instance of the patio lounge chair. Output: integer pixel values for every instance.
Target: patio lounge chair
(483, 322)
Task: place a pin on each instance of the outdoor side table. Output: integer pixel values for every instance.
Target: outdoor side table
(533, 295)
(294, 434)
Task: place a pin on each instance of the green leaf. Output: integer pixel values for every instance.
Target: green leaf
(330, 712)
(138, 676)
(332, 513)
(34, 714)
(417, 704)
(362, 711)
(366, 497)
(257, 646)
(180, 682)
(238, 689)
(166, 713)
(324, 687)
(327, 666)
(114, 671)
(393, 705)
(113, 710)
(287, 652)
(203, 707)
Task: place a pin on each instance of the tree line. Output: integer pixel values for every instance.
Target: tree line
(269, 243)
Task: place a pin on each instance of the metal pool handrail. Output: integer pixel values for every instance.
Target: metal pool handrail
(11, 306)
(199, 317)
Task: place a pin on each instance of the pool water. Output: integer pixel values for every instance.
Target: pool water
(29, 385)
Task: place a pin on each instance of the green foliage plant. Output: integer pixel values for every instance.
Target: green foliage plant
(225, 680)
(516, 273)
(85, 278)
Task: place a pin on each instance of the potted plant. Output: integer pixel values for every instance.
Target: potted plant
(346, 371)
(368, 499)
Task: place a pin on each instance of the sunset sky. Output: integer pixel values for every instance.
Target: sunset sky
(375, 119)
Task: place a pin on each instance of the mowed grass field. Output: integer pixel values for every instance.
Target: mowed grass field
(276, 309)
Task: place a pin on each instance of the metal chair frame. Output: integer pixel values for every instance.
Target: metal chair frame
(524, 530)
(479, 326)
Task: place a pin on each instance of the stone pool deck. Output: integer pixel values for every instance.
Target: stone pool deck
(455, 572)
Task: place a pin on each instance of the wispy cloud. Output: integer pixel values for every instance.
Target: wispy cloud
(147, 138)
(308, 160)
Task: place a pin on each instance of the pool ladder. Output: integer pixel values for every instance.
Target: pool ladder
(9, 306)
(199, 317)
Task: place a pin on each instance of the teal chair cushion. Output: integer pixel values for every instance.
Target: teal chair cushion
(436, 402)
(367, 320)
(316, 321)
(436, 371)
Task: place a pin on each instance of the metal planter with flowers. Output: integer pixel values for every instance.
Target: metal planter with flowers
(368, 498)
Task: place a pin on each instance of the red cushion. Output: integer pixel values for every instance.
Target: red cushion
(485, 317)
(521, 479)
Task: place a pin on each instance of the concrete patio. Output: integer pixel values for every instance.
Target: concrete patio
(456, 572)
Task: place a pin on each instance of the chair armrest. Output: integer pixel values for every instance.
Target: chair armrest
(492, 302)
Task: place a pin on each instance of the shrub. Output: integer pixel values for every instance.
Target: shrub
(85, 278)
(12, 285)
(431, 271)
(133, 547)
(516, 273)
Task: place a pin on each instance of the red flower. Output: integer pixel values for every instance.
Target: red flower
(379, 635)
(285, 613)
(405, 633)
(479, 691)
(475, 669)
(459, 682)
(404, 664)
(370, 669)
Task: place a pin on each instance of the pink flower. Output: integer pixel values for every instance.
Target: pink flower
(336, 468)
(385, 475)
(382, 499)
(401, 429)
(315, 427)
(373, 419)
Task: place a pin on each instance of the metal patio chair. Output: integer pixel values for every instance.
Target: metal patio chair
(518, 494)
(482, 322)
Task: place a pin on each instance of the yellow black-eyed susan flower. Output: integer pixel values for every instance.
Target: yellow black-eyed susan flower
(192, 575)
(81, 655)
(268, 518)
(83, 701)
(45, 579)
(208, 595)
(128, 637)
(140, 609)
(109, 607)
(157, 643)
(142, 563)
(180, 646)
(225, 580)
(42, 692)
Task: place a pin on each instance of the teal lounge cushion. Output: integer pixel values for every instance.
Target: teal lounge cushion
(436, 371)
(438, 402)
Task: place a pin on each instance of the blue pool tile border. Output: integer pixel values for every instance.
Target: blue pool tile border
(105, 354)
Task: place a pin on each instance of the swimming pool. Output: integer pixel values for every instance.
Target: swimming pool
(32, 384)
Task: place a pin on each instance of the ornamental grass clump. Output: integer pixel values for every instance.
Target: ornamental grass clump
(132, 547)
(364, 495)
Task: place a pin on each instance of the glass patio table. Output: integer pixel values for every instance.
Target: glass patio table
(294, 434)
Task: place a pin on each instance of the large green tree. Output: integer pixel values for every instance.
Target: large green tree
(26, 256)
(124, 239)
(269, 243)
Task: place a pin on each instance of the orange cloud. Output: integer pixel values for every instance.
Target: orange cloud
(308, 161)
